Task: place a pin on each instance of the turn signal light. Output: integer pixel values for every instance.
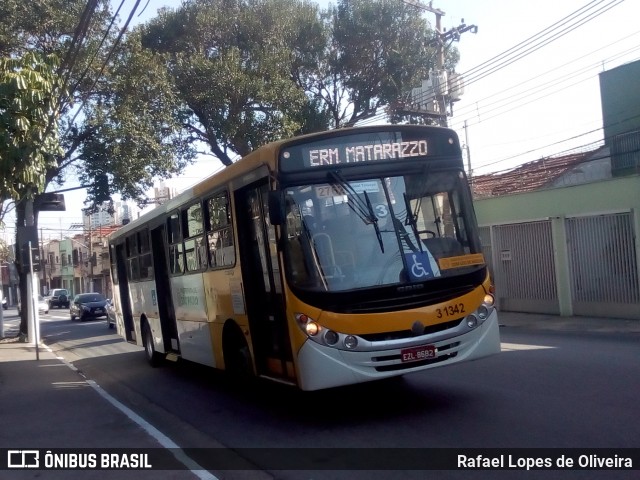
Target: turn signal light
(489, 300)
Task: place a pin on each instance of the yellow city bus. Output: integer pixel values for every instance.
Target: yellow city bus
(323, 260)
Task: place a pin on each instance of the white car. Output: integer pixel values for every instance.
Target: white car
(43, 305)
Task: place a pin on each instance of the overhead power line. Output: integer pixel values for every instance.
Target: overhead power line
(501, 62)
(115, 45)
(463, 111)
(526, 47)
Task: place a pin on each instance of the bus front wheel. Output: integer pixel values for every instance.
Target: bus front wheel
(153, 357)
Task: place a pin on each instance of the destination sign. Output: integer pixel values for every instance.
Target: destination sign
(369, 147)
(366, 153)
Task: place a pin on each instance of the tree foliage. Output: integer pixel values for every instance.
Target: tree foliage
(379, 50)
(99, 125)
(117, 114)
(29, 95)
(252, 71)
(137, 130)
(231, 62)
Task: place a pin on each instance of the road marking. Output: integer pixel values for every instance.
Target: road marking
(511, 347)
(160, 437)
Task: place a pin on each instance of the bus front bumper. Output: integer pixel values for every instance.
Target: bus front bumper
(325, 367)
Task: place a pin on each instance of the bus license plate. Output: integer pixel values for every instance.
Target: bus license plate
(416, 354)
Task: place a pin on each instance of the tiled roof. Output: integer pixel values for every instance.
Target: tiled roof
(527, 177)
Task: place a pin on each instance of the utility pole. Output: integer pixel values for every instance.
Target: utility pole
(90, 256)
(466, 146)
(432, 100)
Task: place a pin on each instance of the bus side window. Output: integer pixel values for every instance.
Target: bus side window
(176, 259)
(146, 265)
(219, 233)
(194, 245)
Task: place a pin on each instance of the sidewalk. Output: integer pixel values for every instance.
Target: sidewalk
(568, 324)
(45, 404)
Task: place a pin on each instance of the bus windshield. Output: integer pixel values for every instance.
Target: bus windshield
(352, 234)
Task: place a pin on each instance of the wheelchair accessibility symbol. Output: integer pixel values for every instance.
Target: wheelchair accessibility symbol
(419, 266)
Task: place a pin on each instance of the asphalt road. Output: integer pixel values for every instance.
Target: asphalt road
(547, 389)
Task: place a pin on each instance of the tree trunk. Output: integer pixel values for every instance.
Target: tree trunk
(26, 215)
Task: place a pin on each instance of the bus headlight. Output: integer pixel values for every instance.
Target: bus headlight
(331, 337)
(350, 342)
(483, 312)
(472, 321)
(312, 329)
(307, 324)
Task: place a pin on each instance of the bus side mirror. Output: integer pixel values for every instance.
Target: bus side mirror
(276, 208)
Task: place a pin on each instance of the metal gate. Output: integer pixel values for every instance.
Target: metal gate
(602, 264)
(525, 268)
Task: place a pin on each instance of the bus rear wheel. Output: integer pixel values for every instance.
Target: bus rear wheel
(153, 357)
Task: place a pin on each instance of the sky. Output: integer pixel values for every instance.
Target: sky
(531, 76)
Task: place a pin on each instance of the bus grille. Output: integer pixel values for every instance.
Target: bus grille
(399, 335)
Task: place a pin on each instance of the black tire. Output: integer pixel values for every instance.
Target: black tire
(153, 357)
(73, 318)
(237, 356)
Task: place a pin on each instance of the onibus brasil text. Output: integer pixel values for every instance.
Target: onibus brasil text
(96, 460)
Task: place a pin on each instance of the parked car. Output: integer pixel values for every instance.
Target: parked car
(88, 305)
(111, 314)
(59, 298)
(43, 305)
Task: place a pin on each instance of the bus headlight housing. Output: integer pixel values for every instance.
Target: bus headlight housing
(325, 336)
(308, 324)
(331, 337)
(483, 312)
(350, 342)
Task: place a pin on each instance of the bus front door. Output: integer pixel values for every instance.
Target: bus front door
(123, 288)
(262, 284)
(163, 291)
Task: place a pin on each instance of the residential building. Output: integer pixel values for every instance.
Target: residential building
(562, 234)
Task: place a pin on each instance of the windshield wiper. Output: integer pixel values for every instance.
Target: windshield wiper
(374, 221)
(364, 211)
(412, 219)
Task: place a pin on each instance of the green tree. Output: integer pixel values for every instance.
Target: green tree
(101, 126)
(137, 127)
(29, 145)
(252, 71)
(378, 51)
(232, 63)
(117, 115)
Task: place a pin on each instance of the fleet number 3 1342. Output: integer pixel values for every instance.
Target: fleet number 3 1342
(451, 310)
